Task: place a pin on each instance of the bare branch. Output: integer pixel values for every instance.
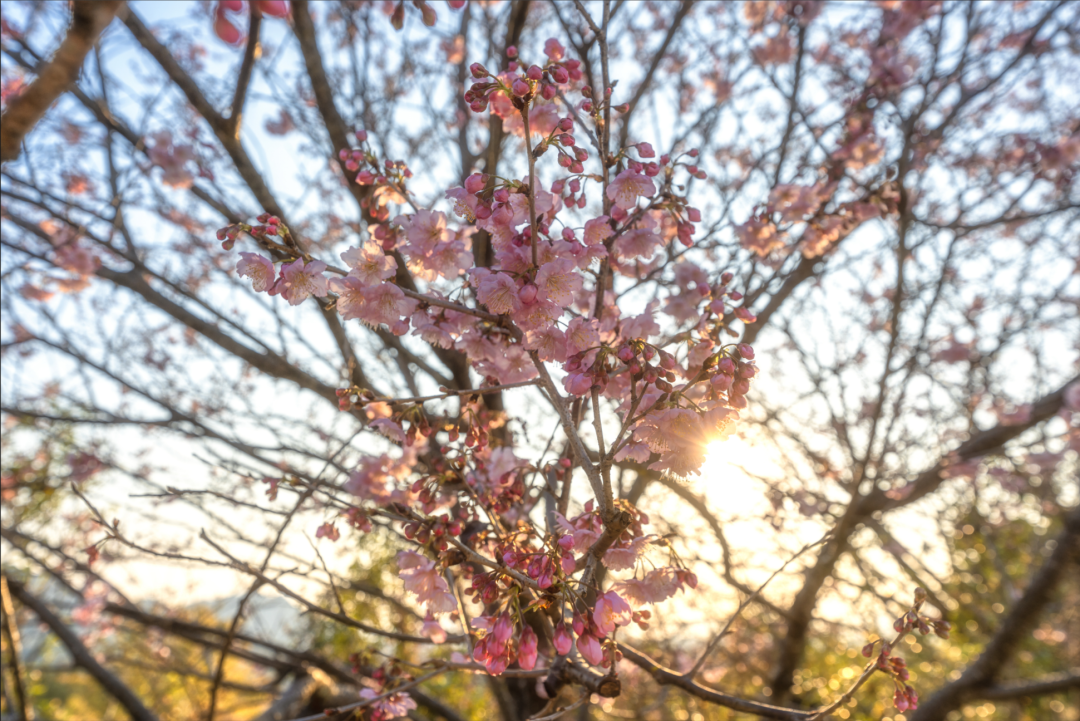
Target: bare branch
(82, 656)
(88, 20)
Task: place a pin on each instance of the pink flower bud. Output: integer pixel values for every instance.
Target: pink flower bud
(579, 384)
(590, 649)
(503, 630)
(535, 72)
(456, 4)
(226, 30)
(475, 183)
(693, 215)
(746, 351)
(547, 91)
(511, 52)
(563, 640)
(520, 88)
(560, 75)
(645, 150)
(527, 649)
(528, 294)
(273, 8)
(478, 70)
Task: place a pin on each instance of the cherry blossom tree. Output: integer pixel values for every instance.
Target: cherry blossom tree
(446, 325)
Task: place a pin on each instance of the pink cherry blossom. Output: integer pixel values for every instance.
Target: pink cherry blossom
(433, 630)
(385, 303)
(499, 293)
(611, 611)
(424, 229)
(350, 296)
(623, 557)
(637, 243)
(369, 264)
(464, 203)
(257, 268)
(627, 187)
(557, 281)
(597, 230)
(389, 428)
(421, 576)
(582, 334)
(549, 342)
(759, 236)
(300, 280)
(393, 706)
(172, 158)
(554, 49)
(446, 259)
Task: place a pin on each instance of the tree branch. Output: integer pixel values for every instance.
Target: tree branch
(667, 677)
(88, 20)
(980, 675)
(82, 656)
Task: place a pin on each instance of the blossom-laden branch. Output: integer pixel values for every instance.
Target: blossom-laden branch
(524, 285)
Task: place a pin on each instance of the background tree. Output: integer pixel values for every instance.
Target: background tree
(869, 210)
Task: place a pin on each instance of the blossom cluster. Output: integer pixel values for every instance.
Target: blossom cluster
(534, 80)
(543, 295)
(905, 697)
